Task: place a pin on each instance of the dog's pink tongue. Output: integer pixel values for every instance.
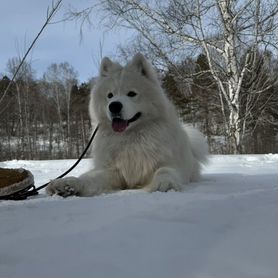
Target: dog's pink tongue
(119, 125)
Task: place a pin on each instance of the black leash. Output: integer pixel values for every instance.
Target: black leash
(32, 190)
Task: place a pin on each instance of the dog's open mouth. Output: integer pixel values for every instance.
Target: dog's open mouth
(120, 125)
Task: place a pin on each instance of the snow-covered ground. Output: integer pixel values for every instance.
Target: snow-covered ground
(223, 226)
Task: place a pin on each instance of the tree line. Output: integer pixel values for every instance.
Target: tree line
(46, 118)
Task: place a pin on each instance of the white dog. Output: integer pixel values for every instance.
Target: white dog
(140, 142)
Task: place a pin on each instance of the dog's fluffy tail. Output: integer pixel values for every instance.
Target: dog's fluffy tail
(198, 144)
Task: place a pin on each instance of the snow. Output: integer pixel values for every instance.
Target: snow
(223, 226)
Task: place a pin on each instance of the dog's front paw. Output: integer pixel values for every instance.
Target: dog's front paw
(64, 187)
(163, 186)
(165, 179)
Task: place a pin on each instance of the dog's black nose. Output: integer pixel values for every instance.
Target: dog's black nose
(115, 107)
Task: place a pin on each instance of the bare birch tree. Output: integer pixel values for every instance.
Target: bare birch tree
(228, 32)
(61, 77)
(22, 83)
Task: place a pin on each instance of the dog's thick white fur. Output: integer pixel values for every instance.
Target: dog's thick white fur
(140, 142)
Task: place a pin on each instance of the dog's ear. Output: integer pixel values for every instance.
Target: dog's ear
(143, 66)
(105, 66)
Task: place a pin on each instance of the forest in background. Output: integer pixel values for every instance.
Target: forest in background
(217, 61)
(48, 118)
(199, 104)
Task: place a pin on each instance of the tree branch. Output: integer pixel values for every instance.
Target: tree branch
(49, 15)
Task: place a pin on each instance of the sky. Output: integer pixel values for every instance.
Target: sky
(21, 20)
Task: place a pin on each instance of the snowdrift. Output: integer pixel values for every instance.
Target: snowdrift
(223, 226)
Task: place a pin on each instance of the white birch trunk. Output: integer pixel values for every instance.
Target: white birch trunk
(233, 75)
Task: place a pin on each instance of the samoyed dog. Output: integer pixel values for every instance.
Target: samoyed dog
(140, 142)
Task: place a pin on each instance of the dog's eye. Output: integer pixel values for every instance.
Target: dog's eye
(131, 94)
(110, 95)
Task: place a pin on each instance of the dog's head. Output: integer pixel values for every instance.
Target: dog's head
(125, 97)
